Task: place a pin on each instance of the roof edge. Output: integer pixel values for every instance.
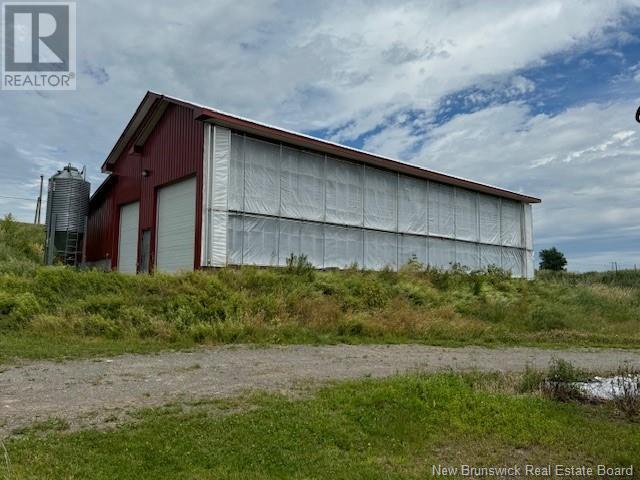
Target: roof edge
(130, 129)
(208, 114)
(299, 139)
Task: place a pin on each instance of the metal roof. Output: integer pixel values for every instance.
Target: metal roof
(142, 122)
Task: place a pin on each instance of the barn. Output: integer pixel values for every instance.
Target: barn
(191, 187)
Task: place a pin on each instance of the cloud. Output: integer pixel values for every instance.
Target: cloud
(393, 77)
(582, 163)
(98, 74)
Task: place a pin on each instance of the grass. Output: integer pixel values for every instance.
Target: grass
(393, 428)
(58, 312)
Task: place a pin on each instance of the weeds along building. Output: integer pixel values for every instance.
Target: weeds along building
(190, 187)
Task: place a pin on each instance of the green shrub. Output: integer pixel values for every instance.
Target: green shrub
(7, 303)
(547, 317)
(20, 243)
(25, 308)
(98, 326)
(199, 332)
(416, 304)
(350, 327)
(108, 305)
(417, 294)
(300, 265)
(559, 383)
(531, 380)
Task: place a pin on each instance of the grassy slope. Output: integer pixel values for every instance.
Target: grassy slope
(394, 428)
(21, 244)
(54, 312)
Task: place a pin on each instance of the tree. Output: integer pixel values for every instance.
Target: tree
(552, 259)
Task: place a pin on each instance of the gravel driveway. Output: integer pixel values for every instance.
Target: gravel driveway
(89, 392)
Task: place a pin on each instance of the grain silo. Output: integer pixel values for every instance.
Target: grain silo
(67, 209)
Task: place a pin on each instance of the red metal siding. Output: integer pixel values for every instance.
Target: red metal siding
(172, 152)
(99, 231)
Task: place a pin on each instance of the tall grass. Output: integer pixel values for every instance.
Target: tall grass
(63, 306)
(21, 245)
(299, 305)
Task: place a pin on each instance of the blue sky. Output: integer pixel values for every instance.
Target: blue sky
(537, 97)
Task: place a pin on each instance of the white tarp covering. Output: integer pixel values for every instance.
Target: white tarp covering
(528, 265)
(343, 247)
(441, 210)
(235, 234)
(467, 255)
(218, 251)
(312, 242)
(490, 256)
(236, 173)
(301, 238)
(344, 194)
(260, 246)
(442, 253)
(513, 261)
(380, 199)
(302, 177)
(528, 227)
(207, 185)
(243, 174)
(412, 247)
(466, 220)
(610, 388)
(489, 219)
(380, 250)
(262, 177)
(221, 152)
(511, 223)
(270, 241)
(215, 195)
(412, 205)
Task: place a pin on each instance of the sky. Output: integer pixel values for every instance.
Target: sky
(535, 97)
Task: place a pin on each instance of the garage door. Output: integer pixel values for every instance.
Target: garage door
(128, 238)
(176, 226)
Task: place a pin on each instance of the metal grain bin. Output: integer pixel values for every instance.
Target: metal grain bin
(67, 210)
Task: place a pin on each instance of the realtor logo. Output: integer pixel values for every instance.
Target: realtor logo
(39, 46)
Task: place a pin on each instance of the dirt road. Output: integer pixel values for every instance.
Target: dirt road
(89, 392)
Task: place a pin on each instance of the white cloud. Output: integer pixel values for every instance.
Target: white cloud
(347, 66)
(582, 163)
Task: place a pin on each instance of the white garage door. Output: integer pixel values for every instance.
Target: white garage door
(176, 226)
(128, 238)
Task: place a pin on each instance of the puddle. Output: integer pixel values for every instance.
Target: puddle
(609, 388)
